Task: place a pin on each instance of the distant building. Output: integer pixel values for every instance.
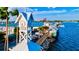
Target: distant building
(11, 26)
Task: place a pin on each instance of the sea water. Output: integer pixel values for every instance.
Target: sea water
(68, 37)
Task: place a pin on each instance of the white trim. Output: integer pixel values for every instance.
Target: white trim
(17, 18)
(28, 15)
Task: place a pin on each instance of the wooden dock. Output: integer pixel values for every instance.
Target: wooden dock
(44, 37)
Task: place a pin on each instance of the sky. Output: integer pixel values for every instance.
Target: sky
(12, 18)
(54, 13)
(50, 13)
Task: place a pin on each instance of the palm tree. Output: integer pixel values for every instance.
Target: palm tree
(13, 13)
(4, 15)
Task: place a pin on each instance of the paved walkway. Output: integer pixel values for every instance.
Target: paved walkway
(20, 47)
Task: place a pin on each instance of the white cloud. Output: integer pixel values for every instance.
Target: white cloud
(11, 8)
(76, 9)
(29, 10)
(22, 9)
(52, 11)
(36, 9)
(52, 7)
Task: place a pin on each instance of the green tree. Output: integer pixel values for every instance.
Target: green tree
(16, 32)
(4, 15)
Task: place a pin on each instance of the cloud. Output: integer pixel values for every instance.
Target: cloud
(52, 11)
(76, 9)
(36, 9)
(22, 9)
(52, 7)
(31, 10)
(11, 8)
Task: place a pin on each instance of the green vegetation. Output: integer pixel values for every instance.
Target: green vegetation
(53, 34)
(2, 36)
(4, 15)
(16, 33)
(59, 21)
(16, 29)
(43, 27)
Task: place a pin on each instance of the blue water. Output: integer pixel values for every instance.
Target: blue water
(11, 24)
(36, 24)
(68, 38)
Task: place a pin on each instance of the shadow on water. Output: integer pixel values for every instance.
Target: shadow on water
(52, 43)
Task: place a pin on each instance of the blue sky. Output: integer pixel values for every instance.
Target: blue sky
(51, 13)
(55, 13)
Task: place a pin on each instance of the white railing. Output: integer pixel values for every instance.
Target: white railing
(22, 45)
